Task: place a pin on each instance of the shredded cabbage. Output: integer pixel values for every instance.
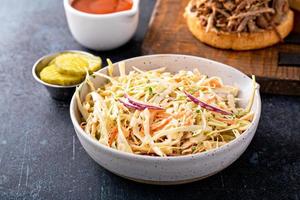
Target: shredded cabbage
(163, 121)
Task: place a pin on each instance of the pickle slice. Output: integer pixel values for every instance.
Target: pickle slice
(52, 62)
(77, 64)
(51, 75)
(94, 63)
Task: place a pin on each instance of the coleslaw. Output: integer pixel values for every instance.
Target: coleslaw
(158, 113)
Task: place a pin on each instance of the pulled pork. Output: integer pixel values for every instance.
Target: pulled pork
(239, 15)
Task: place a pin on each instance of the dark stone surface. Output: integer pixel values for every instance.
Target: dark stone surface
(41, 158)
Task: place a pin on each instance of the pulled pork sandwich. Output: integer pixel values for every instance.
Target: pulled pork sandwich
(239, 24)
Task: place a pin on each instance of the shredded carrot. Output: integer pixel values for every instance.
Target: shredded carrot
(113, 136)
(210, 100)
(213, 83)
(180, 114)
(189, 119)
(153, 114)
(162, 115)
(158, 126)
(188, 123)
(178, 80)
(125, 132)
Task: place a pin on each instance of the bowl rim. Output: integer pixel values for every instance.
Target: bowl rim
(36, 76)
(134, 9)
(251, 128)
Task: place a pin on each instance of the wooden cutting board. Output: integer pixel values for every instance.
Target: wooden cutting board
(168, 33)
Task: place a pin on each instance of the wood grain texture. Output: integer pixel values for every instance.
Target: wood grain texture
(168, 33)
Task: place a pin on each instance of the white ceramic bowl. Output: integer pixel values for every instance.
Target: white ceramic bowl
(102, 31)
(180, 169)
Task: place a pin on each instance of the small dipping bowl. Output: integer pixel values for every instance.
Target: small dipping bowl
(57, 92)
(102, 32)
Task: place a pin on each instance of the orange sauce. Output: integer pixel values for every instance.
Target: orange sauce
(102, 6)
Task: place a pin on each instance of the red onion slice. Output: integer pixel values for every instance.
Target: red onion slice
(129, 105)
(205, 105)
(142, 105)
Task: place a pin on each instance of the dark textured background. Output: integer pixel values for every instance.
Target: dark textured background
(41, 158)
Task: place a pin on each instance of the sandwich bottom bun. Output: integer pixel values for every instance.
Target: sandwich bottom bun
(295, 4)
(241, 41)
